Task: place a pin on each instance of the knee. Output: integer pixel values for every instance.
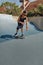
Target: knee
(17, 28)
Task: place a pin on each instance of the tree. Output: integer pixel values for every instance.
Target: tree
(36, 11)
(11, 8)
(40, 9)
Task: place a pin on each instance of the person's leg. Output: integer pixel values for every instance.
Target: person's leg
(22, 32)
(17, 30)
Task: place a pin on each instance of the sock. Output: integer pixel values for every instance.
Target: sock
(16, 33)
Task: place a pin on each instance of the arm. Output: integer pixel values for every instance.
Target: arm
(18, 19)
(21, 23)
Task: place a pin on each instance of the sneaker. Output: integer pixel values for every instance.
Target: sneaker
(15, 34)
(22, 35)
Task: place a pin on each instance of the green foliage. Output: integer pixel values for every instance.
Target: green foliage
(11, 8)
(36, 11)
(40, 9)
(31, 13)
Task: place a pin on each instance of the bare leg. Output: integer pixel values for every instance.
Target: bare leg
(16, 31)
(22, 31)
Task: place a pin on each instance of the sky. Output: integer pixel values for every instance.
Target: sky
(16, 1)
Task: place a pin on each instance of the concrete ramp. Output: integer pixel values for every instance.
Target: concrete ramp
(37, 21)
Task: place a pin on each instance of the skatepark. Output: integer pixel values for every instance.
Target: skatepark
(28, 51)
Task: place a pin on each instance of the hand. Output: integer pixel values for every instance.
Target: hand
(22, 23)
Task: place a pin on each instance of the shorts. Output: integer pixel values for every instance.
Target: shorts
(19, 27)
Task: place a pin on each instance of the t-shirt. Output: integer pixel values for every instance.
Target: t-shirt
(22, 20)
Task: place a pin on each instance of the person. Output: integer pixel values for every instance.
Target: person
(21, 20)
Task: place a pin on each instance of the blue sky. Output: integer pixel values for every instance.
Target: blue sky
(16, 1)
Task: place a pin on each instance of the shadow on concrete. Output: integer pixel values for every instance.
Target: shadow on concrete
(6, 36)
